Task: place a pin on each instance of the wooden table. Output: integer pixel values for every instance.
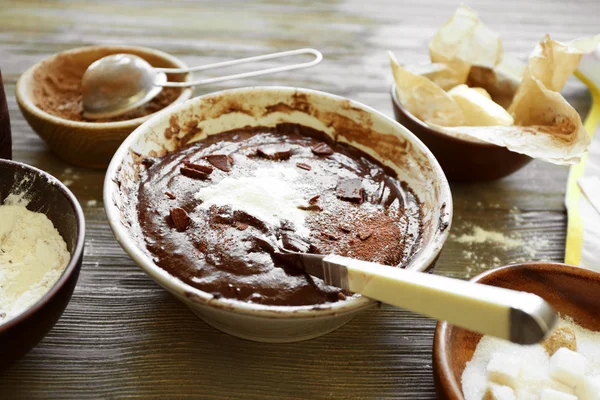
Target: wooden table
(124, 336)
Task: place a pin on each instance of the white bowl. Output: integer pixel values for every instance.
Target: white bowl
(343, 119)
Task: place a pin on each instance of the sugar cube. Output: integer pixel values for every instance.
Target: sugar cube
(589, 388)
(556, 385)
(568, 367)
(498, 392)
(563, 336)
(503, 370)
(551, 394)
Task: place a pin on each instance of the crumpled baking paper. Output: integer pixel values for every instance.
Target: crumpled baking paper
(465, 41)
(545, 126)
(424, 99)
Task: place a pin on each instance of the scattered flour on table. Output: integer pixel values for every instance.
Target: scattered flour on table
(523, 248)
(479, 235)
(33, 256)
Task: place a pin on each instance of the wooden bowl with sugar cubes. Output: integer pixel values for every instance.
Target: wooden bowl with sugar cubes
(565, 366)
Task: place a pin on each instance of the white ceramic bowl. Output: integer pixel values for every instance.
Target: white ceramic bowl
(345, 121)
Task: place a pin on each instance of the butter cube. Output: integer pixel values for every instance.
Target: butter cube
(503, 371)
(568, 367)
(482, 91)
(560, 337)
(479, 110)
(498, 392)
(551, 394)
(589, 388)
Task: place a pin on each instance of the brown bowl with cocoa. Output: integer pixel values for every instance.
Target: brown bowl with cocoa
(49, 96)
(462, 159)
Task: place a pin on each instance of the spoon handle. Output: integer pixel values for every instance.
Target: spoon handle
(512, 315)
(318, 57)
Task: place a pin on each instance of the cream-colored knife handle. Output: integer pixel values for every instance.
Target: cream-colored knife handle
(490, 310)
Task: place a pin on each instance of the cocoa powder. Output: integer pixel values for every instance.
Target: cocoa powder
(57, 91)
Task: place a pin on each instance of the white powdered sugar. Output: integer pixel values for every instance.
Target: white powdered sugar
(268, 195)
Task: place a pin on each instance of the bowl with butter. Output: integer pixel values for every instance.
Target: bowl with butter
(484, 115)
(42, 233)
(462, 158)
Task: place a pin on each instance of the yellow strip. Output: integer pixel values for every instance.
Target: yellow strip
(574, 223)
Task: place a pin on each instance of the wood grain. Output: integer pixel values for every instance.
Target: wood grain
(122, 336)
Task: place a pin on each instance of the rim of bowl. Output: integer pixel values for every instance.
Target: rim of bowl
(174, 285)
(77, 250)
(28, 104)
(440, 353)
(435, 131)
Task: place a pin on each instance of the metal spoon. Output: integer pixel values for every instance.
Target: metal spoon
(116, 84)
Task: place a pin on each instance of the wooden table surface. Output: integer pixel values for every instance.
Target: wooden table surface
(123, 336)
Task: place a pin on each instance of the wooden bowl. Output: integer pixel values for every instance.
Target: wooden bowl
(87, 144)
(570, 290)
(47, 195)
(461, 160)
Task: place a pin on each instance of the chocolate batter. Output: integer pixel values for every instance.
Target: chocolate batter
(202, 208)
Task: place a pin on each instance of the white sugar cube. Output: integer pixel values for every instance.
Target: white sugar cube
(561, 387)
(589, 389)
(551, 394)
(503, 371)
(498, 392)
(568, 367)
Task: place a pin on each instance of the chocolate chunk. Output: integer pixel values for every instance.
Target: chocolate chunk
(260, 244)
(314, 199)
(193, 173)
(310, 207)
(303, 166)
(180, 218)
(248, 219)
(220, 161)
(315, 249)
(350, 190)
(275, 152)
(364, 235)
(170, 195)
(341, 296)
(241, 226)
(330, 236)
(207, 169)
(345, 228)
(294, 242)
(322, 149)
(222, 219)
(148, 162)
